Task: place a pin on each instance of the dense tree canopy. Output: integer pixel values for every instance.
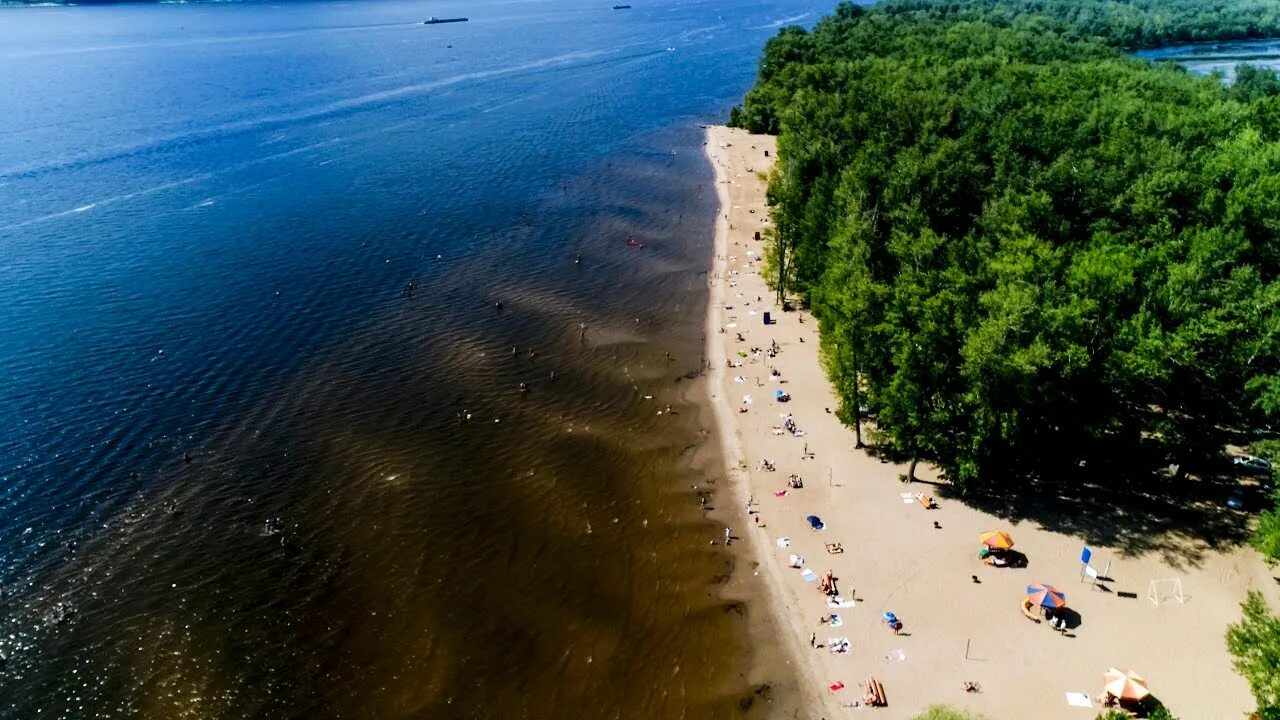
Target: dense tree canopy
(1122, 23)
(1026, 249)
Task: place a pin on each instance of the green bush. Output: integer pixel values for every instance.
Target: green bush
(942, 712)
(1266, 536)
(1255, 643)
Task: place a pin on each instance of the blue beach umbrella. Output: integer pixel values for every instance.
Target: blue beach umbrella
(815, 522)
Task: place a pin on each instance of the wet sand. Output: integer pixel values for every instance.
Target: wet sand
(919, 563)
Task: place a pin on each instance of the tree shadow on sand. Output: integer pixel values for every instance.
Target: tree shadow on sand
(1183, 517)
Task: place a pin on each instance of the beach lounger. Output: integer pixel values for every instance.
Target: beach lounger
(875, 696)
(927, 502)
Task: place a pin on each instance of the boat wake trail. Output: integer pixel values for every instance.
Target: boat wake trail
(781, 23)
(106, 201)
(195, 42)
(338, 107)
(208, 201)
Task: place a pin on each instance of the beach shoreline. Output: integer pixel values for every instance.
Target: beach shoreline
(962, 618)
(785, 623)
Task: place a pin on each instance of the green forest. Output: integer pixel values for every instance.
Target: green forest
(1034, 258)
(1026, 249)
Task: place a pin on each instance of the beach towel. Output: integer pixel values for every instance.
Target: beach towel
(837, 685)
(784, 542)
(895, 656)
(740, 378)
(838, 645)
(795, 561)
(809, 575)
(1079, 699)
(840, 603)
(779, 493)
(836, 620)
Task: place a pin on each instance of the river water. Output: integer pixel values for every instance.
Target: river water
(251, 262)
(1219, 57)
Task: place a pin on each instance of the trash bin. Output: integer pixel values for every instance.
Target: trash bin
(768, 319)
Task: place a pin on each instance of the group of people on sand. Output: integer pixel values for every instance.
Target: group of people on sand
(789, 424)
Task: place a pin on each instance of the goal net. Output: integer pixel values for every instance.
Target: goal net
(1160, 591)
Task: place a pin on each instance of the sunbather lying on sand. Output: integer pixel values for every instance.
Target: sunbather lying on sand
(834, 548)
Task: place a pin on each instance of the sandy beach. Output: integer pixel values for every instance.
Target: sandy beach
(962, 620)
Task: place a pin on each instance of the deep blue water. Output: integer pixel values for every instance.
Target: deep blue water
(234, 478)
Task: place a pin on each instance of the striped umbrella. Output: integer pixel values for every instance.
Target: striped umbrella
(996, 540)
(1046, 596)
(1125, 684)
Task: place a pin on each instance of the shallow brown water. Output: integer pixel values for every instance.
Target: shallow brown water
(353, 547)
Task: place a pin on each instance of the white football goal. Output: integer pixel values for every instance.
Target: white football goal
(1161, 590)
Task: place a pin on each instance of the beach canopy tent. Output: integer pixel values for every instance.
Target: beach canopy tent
(1125, 684)
(1046, 596)
(996, 540)
(815, 522)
